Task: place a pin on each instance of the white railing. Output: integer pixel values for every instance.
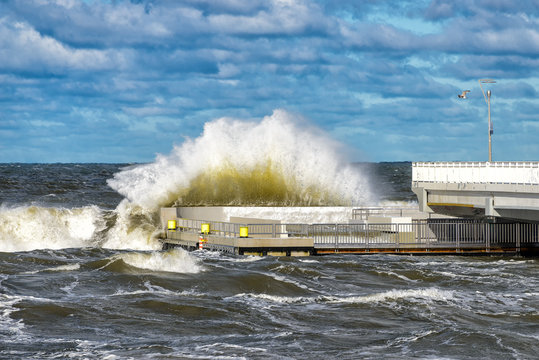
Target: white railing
(363, 213)
(514, 172)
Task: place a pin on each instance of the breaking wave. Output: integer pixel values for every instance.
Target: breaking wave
(279, 161)
(26, 228)
(174, 260)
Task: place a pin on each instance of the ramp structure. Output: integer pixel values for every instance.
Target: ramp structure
(507, 190)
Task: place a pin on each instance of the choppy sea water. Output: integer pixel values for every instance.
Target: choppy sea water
(81, 278)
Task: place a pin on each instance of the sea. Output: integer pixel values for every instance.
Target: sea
(82, 276)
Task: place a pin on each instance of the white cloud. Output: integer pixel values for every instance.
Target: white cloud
(23, 48)
(282, 17)
(357, 67)
(46, 124)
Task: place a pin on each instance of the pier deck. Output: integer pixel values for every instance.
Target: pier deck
(438, 236)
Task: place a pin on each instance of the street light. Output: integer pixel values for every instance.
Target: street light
(487, 100)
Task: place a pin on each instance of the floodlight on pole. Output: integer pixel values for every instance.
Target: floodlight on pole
(487, 100)
(463, 94)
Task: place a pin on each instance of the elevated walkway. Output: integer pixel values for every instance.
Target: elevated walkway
(507, 190)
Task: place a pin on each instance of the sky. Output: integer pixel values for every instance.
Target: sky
(123, 81)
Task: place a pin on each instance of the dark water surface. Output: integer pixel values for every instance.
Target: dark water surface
(72, 285)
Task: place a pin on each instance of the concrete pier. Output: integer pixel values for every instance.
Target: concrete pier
(465, 208)
(505, 190)
(427, 236)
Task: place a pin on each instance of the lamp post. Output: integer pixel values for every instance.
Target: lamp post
(487, 100)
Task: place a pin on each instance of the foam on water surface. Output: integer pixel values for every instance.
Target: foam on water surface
(174, 260)
(415, 295)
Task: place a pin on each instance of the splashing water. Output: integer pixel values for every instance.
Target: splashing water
(174, 260)
(135, 228)
(26, 228)
(31, 227)
(277, 162)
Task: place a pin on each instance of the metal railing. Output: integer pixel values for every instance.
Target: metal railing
(457, 234)
(460, 234)
(233, 229)
(363, 213)
(216, 227)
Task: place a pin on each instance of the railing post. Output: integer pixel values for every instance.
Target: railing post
(397, 242)
(367, 238)
(336, 237)
(487, 245)
(458, 237)
(517, 245)
(417, 232)
(425, 230)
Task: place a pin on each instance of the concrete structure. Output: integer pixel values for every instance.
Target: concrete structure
(297, 246)
(288, 214)
(432, 236)
(508, 190)
(373, 214)
(395, 235)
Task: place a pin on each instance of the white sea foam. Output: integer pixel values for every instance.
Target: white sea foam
(154, 289)
(27, 228)
(216, 350)
(297, 150)
(309, 261)
(277, 299)
(8, 324)
(68, 289)
(290, 281)
(174, 260)
(392, 273)
(428, 294)
(67, 267)
(134, 229)
(243, 259)
(393, 295)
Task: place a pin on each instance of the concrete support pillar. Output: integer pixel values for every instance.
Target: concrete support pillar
(422, 199)
(489, 207)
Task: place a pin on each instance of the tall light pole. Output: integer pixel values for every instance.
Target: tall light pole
(487, 100)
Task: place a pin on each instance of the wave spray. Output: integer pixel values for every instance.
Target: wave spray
(279, 161)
